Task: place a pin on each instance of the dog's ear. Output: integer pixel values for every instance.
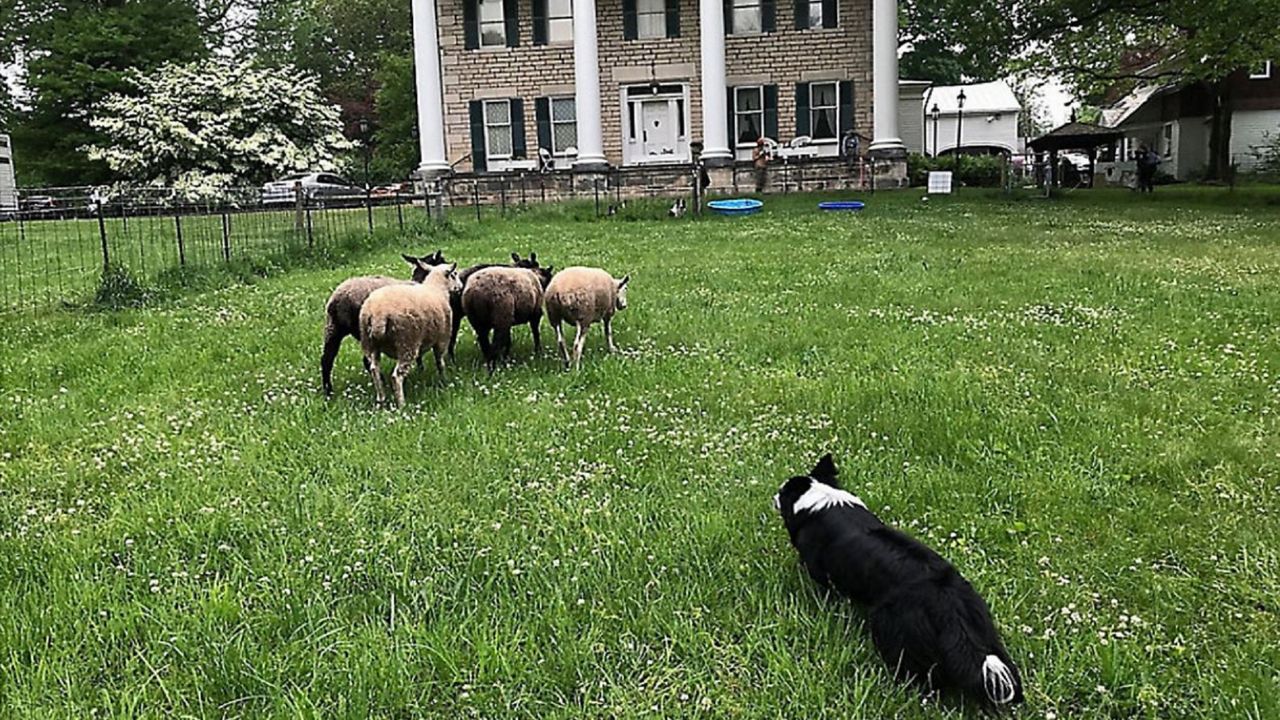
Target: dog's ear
(825, 471)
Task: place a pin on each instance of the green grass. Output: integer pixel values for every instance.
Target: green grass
(1075, 401)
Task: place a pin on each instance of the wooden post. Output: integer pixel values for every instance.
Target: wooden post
(299, 207)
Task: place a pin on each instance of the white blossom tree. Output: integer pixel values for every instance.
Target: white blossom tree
(204, 127)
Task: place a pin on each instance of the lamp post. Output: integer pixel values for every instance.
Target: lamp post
(959, 124)
(936, 114)
(364, 140)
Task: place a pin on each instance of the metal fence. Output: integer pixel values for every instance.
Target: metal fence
(56, 244)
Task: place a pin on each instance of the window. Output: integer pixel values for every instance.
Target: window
(651, 18)
(824, 111)
(746, 16)
(564, 125)
(493, 29)
(748, 103)
(1166, 140)
(815, 14)
(560, 21)
(497, 129)
(1261, 71)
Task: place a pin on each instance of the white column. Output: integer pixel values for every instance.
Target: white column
(884, 50)
(715, 93)
(426, 62)
(586, 83)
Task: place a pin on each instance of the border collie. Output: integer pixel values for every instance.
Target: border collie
(926, 621)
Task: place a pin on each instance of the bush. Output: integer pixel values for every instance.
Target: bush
(974, 170)
(118, 289)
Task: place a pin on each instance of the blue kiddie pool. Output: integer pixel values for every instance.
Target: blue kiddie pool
(736, 208)
(841, 206)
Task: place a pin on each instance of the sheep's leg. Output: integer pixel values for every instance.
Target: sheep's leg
(440, 355)
(403, 368)
(502, 342)
(579, 343)
(486, 348)
(371, 362)
(564, 352)
(453, 337)
(608, 334)
(535, 325)
(332, 343)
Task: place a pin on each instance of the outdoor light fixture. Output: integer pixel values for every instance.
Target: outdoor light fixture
(959, 123)
(936, 114)
(653, 78)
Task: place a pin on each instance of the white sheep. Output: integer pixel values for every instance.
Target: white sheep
(582, 296)
(403, 320)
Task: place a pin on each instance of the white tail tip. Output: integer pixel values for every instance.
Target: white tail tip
(997, 681)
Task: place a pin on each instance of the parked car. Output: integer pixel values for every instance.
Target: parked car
(396, 189)
(38, 203)
(315, 186)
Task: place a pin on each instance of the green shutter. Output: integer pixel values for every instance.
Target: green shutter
(519, 149)
(728, 17)
(846, 106)
(539, 22)
(471, 23)
(733, 118)
(629, 22)
(511, 20)
(830, 14)
(673, 18)
(802, 109)
(771, 111)
(802, 14)
(478, 159)
(768, 15)
(542, 116)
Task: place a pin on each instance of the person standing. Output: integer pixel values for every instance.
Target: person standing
(1147, 161)
(760, 159)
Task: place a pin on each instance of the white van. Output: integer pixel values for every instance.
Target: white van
(8, 186)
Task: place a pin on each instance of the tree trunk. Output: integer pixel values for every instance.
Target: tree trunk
(1220, 131)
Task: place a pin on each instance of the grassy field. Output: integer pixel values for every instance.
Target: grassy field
(1075, 401)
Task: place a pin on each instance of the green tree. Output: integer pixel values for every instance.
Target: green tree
(396, 139)
(78, 52)
(949, 42)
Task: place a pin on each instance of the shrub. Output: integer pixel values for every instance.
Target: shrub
(118, 289)
(973, 171)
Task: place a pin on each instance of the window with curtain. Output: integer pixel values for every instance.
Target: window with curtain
(497, 129)
(824, 111)
(749, 114)
(651, 18)
(564, 124)
(493, 30)
(746, 17)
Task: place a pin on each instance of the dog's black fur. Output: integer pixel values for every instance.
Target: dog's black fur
(927, 622)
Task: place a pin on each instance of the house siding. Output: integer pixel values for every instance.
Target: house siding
(1252, 130)
(783, 58)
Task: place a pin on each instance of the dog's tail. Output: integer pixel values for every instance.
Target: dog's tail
(943, 636)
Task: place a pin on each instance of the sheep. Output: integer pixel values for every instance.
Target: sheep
(496, 299)
(342, 312)
(583, 296)
(403, 319)
(516, 261)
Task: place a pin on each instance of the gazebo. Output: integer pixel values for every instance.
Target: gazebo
(1075, 135)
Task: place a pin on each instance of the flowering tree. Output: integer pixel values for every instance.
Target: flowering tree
(206, 126)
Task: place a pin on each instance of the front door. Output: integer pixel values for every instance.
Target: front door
(658, 128)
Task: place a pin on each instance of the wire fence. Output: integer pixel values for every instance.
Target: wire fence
(56, 244)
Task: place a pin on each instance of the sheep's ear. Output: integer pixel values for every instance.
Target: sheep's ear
(425, 266)
(515, 257)
(410, 259)
(439, 255)
(826, 471)
(453, 267)
(623, 282)
(533, 257)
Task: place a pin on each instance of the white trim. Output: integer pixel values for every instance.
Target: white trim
(551, 120)
(633, 145)
(481, 23)
(511, 138)
(738, 112)
(835, 138)
(1264, 75)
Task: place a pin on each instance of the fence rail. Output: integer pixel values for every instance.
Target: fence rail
(55, 245)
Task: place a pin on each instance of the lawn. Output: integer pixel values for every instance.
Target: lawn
(1075, 401)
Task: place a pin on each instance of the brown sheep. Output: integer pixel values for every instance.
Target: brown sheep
(342, 312)
(465, 275)
(499, 298)
(402, 320)
(583, 296)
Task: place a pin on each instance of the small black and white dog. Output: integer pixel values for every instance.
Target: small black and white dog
(926, 621)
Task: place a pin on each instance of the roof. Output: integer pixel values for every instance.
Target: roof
(989, 97)
(1124, 109)
(1073, 136)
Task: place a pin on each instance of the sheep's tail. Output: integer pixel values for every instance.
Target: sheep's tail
(374, 327)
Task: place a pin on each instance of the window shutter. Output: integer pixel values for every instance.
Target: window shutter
(733, 118)
(511, 17)
(802, 109)
(478, 161)
(471, 23)
(846, 107)
(539, 22)
(802, 14)
(519, 150)
(673, 18)
(728, 17)
(768, 15)
(542, 116)
(629, 31)
(771, 111)
(830, 14)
